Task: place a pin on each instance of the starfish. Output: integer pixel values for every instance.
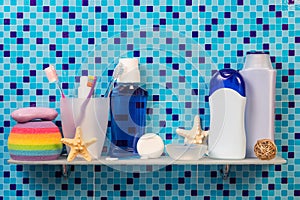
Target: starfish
(194, 136)
(78, 146)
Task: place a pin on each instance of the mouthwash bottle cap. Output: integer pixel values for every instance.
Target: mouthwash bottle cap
(130, 71)
(258, 60)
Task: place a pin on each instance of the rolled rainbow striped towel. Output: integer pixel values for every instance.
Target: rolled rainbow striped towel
(35, 141)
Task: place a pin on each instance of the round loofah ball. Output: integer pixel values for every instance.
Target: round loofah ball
(35, 141)
(265, 149)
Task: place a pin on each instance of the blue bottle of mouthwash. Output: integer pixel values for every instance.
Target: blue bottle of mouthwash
(128, 105)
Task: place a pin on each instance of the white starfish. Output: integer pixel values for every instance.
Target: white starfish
(194, 136)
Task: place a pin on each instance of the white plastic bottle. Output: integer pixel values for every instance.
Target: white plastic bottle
(260, 80)
(227, 101)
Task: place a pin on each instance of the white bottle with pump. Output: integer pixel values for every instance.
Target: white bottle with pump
(260, 80)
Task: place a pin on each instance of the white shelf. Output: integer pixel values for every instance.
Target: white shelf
(160, 161)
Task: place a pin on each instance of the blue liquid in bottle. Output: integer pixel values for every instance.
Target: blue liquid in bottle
(128, 118)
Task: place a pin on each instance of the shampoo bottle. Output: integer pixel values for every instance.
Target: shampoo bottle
(260, 80)
(128, 110)
(227, 101)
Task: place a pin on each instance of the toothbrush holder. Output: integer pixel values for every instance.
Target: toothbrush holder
(91, 116)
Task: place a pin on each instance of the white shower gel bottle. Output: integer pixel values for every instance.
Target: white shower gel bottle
(260, 78)
(227, 101)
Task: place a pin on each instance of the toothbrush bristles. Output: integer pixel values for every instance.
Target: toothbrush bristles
(51, 74)
(91, 80)
(53, 78)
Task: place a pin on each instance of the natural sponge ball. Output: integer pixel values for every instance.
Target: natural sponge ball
(265, 149)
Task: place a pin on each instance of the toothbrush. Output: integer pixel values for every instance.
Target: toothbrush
(87, 86)
(52, 77)
(65, 106)
(91, 83)
(117, 72)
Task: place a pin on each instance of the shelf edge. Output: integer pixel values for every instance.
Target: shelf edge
(159, 161)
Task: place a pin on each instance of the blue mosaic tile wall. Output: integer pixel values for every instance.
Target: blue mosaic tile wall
(179, 45)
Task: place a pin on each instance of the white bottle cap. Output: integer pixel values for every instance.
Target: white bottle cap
(131, 72)
(258, 60)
